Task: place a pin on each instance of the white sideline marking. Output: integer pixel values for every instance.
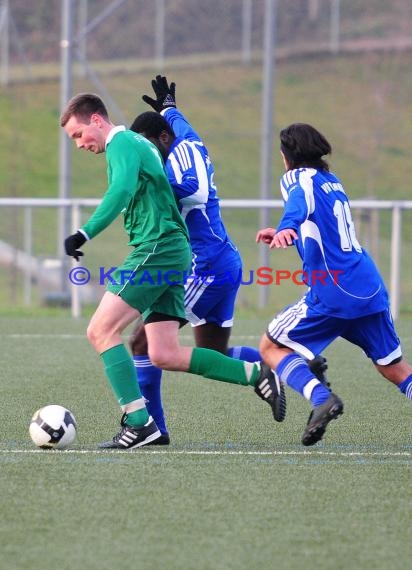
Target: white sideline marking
(216, 452)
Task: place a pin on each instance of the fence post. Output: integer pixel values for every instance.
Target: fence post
(160, 34)
(4, 43)
(75, 302)
(395, 259)
(335, 26)
(28, 247)
(266, 160)
(247, 31)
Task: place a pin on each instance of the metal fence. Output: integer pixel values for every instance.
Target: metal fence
(159, 30)
(48, 272)
(112, 36)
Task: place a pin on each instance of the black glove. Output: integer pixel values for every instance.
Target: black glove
(72, 244)
(165, 94)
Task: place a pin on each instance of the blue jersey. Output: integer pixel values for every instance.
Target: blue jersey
(190, 173)
(343, 280)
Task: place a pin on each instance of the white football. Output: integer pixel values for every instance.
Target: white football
(53, 427)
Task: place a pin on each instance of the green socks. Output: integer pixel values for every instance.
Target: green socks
(217, 366)
(121, 373)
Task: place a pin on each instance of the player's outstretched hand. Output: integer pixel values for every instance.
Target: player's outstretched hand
(273, 238)
(265, 235)
(165, 94)
(283, 238)
(72, 244)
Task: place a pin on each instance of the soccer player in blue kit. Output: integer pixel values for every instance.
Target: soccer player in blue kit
(211, 289)
(346, 295)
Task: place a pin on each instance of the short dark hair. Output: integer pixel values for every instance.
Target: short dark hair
(83, 106)
(151, 124)
(303, 145)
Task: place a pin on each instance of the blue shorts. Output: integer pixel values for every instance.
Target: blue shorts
(211, 298)
(307, 332)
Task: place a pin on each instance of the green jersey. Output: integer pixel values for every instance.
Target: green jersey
(138, 188)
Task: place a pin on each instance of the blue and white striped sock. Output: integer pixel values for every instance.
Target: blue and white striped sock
(246, 353)
(149, 378)
(294, 371)
(406, 387)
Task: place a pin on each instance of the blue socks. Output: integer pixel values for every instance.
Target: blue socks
(149, 378)
(406, 387)
(294, 371)
(246, 353)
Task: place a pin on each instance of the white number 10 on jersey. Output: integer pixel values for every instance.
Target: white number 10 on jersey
(346, 227)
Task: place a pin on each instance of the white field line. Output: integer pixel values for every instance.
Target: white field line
(296, 453)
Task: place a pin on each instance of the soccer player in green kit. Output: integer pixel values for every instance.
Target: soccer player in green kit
(139, 189)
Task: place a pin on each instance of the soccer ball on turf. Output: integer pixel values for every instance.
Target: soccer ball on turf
(53, 427)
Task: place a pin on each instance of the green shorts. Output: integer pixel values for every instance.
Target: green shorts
(152, 277)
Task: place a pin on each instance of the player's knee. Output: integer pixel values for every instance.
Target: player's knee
(98, 335)
(162, 358)
(158, 359)
(92, 334)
